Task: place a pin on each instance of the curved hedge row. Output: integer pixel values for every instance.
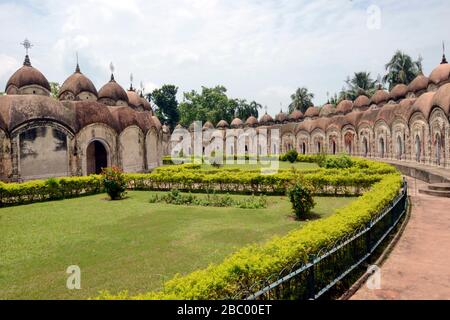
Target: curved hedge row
(191, 177)
(256, 263)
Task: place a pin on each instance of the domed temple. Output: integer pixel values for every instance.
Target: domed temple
(80, 132)
(411, 122)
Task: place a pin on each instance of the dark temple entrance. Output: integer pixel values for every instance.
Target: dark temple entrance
(97, 157)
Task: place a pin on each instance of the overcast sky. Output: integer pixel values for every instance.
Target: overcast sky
(259, 49)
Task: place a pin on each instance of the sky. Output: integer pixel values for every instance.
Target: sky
(258, 49)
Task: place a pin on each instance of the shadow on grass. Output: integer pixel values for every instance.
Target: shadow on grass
(307, 217)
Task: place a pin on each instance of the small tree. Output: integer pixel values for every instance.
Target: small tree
(114, 182)
(292, 156)
(300, 195)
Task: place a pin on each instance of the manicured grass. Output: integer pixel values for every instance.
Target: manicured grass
(126, 245)
(257, 166)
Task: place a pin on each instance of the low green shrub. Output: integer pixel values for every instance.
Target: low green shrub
(337, 162)
(210, 200)
(114, 182)
(292, 156)
(301, 199)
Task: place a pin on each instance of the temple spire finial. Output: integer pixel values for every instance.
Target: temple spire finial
(27, 45)
(111, 68)
(444, 60)
(131, 82)
(77, 69)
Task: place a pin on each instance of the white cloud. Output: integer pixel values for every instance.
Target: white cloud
(260, 50)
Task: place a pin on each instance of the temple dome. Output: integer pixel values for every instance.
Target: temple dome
(281, 117)
(345, 106)
(418, 84)
(113, 94)
(312, 112)
(399, 91)
(251, 121)
(236, 123)
(327, 110)
(28, 80)
(146, 104)
(295, 115)
(134, 100)
(361, 101)
(440, 74)
(222, 124)
(78, 87)
(208, 125)
(380, 96)
(266, 118)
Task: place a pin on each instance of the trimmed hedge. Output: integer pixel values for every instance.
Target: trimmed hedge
(191, 177)
(50, 189)
(256, 263)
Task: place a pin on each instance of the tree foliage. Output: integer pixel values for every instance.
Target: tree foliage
(301, 100)
(213, 104)
(54, 89)
(401, 69)
(360, 84)
(166, 102)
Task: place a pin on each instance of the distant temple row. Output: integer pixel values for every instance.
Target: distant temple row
(411, 122)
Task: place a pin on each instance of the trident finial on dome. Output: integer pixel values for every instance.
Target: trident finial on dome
(111, 67)
(265, 108)
(27, 45)
(444, 60)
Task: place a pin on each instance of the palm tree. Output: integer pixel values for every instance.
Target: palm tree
(301, 100)
(360, 84)
(402, 69)
(244, 110)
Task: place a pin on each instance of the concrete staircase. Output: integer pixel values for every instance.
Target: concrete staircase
(437, 190)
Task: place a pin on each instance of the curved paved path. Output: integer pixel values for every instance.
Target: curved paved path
(419, 265)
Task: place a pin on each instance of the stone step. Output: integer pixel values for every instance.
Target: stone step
(439, 186)
(436, 193)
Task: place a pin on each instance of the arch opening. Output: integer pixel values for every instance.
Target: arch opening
(418, 148)
(97, 157)
(365, 147)
(381, 146)
(399, 148)
(438, 147)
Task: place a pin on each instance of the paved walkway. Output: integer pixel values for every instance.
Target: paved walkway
(419, 265)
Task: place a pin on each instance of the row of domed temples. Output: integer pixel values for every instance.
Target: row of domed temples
(79, 132)
(84, 130)
(411, 122)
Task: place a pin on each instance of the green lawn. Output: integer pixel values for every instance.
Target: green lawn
(129, 244)
(257, 166)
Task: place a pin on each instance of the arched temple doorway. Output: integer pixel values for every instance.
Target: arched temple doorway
(97, 157)
(381, 147)
(399, 148)
(418, 149)
(365, 147)
(438, 146)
